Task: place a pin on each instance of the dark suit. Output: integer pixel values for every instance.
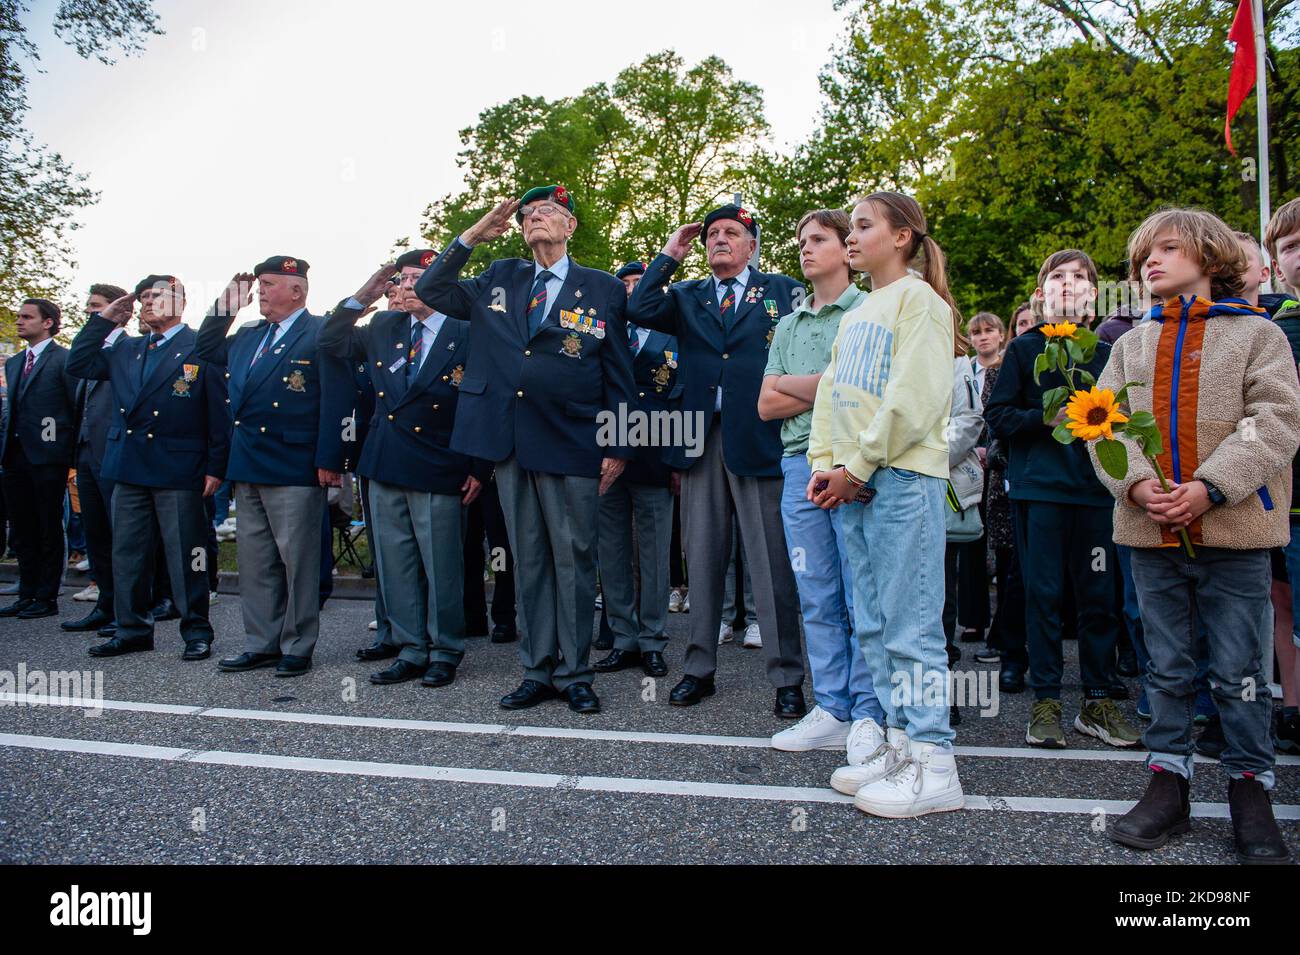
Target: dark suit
(36, 447)
(636, 513)
(415, 480)
(169, 429)
(95, 491)
(285, 427)
(738, 469)
(530, 401)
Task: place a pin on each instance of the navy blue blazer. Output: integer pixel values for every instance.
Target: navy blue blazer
(48, 394)
(172, 429)
(733, 359)
(409, 438)
(654, 369)
(536, 396)
(285, 424)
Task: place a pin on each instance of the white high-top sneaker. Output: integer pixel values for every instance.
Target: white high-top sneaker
(924, 781)
(882, 753)
(817, 730)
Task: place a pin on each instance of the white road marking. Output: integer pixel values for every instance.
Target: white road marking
(608, 784)
(544, 732)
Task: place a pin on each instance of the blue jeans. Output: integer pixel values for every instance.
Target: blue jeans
(895, 547)
(1293, 573)
(1229, 591)
(841, 679)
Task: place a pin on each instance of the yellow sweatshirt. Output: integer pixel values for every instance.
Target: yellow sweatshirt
(885, 399)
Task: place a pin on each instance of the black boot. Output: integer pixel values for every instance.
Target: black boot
(1254, 830)
(1163, 811)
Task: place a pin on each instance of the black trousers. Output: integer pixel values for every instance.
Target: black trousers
(34, 500)
(676, 556)
(486, 517)
(96, 495)
(1063, 544)
(1007, 632)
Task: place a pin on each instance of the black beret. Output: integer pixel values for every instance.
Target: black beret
(632, 268)
(417, 258)
(730, 211)
(150, 281)
(282, 265)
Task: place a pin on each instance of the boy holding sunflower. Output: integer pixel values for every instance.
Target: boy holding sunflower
(1219, 379)
(1061, 514)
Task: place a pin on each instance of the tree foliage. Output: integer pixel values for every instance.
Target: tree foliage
(40, 193)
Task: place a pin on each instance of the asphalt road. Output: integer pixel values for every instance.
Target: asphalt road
(188, 764)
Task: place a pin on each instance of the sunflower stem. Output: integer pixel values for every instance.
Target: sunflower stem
(1164, 485)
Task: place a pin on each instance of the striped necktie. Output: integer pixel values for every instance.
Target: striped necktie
(537, 301)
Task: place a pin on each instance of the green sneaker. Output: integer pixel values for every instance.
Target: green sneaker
(1045, 725)
(1102, 719)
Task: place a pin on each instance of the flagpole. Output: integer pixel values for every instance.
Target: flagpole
(1261, 92)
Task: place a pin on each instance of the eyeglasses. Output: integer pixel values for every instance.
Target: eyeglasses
(546, 210)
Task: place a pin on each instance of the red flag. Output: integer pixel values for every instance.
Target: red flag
(1242, 79)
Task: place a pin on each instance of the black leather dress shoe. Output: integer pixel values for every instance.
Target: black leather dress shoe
(39, 608)
(530, 693)
(377, 651)
(15, 608)
(790, 704)
(653, 664)
(504, 634)
(108, 630)
(399, 672)
(439, 674)
(1126, 661)
(291, 665)
(248, 661)
(165, 610)
(581, 698)
(91, 621)
(1012, 678)
(197, 650)
(120, 645)
(690, 690)
(617, 660)
(603, 642)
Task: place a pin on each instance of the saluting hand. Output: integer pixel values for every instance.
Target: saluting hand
(120, 309)
(237, 294)
(493, 225)
(376, 285)
(679, 245)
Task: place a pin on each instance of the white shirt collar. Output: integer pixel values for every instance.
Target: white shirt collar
(37, 349)
(742, 278)
(113, 336)
(287, 323)
(167, 335)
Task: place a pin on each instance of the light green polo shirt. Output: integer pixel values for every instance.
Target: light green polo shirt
(802, 346)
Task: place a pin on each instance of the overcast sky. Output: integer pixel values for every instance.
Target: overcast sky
(254, 129)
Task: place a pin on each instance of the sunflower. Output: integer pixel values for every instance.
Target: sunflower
(1062, 330)
(1091, 413)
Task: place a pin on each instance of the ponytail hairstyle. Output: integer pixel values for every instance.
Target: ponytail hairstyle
(904, 212)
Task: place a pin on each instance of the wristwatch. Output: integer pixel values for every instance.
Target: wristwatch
(1215, 495)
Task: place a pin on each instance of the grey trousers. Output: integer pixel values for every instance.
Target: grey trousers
(711, 494)
(637, 624)
(420, 566)
(140, 515)
(279, 566)
(551, 523)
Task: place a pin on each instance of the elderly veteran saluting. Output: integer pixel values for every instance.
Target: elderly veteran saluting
(548, 353)
(724, 325)
(418, 487)
(165, 451)
(284, 430)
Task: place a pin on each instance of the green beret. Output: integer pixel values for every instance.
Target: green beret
(557, 194)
